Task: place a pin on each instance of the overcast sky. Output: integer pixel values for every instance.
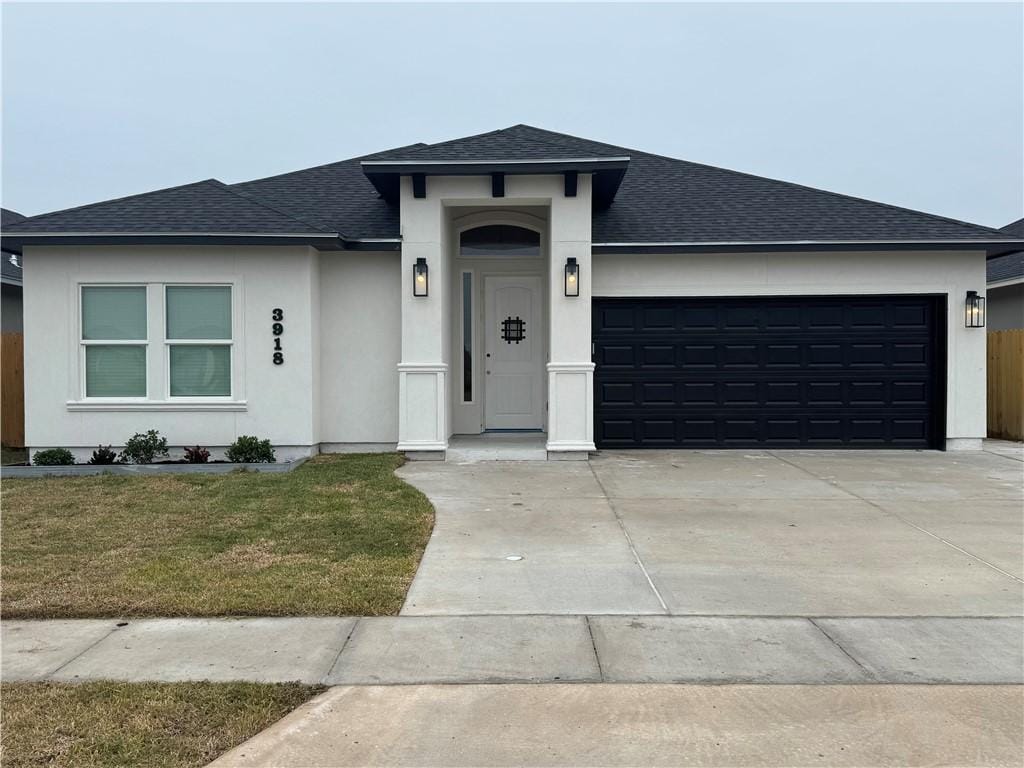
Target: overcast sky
(919, 105)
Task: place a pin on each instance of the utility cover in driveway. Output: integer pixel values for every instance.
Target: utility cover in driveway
(840, 371)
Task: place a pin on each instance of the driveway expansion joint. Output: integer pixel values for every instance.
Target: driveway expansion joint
(629, 539)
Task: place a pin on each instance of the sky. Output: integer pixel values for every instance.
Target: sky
(919, 105)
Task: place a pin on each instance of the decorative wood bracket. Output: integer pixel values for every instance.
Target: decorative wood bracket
(571, 178)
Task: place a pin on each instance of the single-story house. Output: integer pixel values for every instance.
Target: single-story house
(1005, 295)
(10, 279)
(515, 280)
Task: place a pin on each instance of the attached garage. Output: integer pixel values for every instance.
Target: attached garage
(747, 372)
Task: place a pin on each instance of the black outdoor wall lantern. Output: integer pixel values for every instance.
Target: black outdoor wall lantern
(419, 277)
(572, 277)
(974, 310)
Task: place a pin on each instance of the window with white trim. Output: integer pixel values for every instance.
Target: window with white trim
(198, 340)
(196, 333)
(114, 340)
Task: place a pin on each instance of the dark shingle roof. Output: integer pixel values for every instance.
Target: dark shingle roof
(203, 207)
(1011, 265)
(520, 142)
(8, 216)
(661, 200)
(1005, 267)
(337, 196)
(1014, 228)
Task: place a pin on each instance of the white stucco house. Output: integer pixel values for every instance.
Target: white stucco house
(515, 280)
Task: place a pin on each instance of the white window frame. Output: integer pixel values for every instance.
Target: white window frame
(229, 343)
(83, 343)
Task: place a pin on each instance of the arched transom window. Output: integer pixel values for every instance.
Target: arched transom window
(499, 239)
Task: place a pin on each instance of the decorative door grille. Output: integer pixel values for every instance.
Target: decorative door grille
(513, 329)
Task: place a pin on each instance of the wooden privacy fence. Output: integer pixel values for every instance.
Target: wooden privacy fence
(12, 390)
(1006, 384)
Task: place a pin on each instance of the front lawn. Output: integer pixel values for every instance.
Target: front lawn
(339, 535)
(129, 724)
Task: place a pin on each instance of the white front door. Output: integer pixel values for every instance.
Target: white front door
(513, 364)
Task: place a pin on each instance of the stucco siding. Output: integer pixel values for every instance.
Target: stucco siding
(772, 274)
(270, 401)
(360, 347)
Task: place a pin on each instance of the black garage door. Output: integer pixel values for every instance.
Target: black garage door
(837, 371)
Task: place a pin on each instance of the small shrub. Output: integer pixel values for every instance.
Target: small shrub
(197, 455)
(54, 457)
(249, 449)
(142, 448)
(103, 455)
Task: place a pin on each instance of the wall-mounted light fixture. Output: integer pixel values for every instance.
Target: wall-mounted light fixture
(419, 277)
(572, 277)
(974, 310)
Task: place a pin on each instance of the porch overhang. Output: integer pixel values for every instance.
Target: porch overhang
(608, 172)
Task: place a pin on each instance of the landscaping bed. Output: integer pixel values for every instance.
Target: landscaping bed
(339, 535)
(128, 724)
(156, 468)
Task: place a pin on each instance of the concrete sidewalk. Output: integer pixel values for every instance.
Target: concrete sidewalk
(408, 650)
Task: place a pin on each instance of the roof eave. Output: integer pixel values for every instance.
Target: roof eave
(992, 248)
(15, 241)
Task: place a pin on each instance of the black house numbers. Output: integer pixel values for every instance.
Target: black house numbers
(513, 329)
(278, 329)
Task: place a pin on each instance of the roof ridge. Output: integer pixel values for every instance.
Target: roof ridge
(257, 201)
(549, 135)
(33, 219)
(461, 138)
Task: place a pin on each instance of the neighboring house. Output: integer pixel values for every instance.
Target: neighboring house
(1005, 298)
(10, 279)
(516, 280)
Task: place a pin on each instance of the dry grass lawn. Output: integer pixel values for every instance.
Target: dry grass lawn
(130, 724)
(339, 535)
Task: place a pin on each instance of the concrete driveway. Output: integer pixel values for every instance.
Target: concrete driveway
(728, 533)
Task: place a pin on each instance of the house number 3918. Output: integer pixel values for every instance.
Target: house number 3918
(278, 329)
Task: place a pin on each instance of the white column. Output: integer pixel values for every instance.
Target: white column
(570, 370)
(422, 422)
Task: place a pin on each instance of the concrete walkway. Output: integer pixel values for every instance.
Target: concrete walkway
(520, 649)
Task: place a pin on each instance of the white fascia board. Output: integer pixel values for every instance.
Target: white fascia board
(1006, 283)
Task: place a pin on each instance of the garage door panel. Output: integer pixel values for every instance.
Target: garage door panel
(747, 372)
